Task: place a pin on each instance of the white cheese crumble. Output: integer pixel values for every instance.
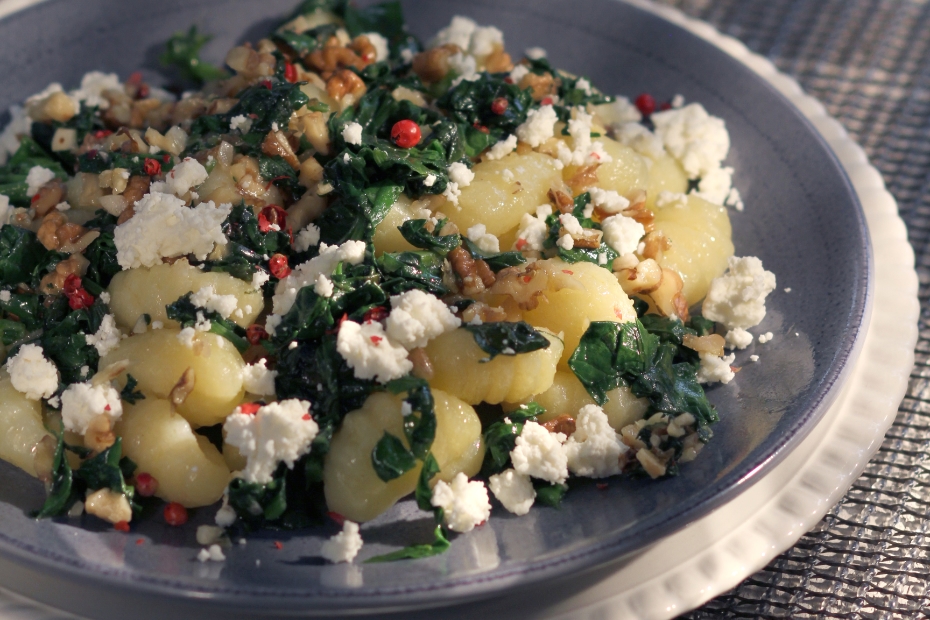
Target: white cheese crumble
(533, 231)
(36, 178)
(738, 338)
(620, 112)
(277, 432)
(468, 35)
(370, 353)
(213, 553)
(206, 298)
(82, 402)
(258, 379)
(305, 274)
(485, 241)
(107, 336)
(571, 224)
(5, 210)
(380, 44)
(93, 85)
(622, 233)
(640, 139)
(465, 67)
(539, 126)
(539, 453)
(594, 449)
(465, 503)
(344, 546)
(753, 358)
(5, 296)
(715, 368)
(502, 148)
(187, 174)
(608, 200)
(518, 73)
(240, 122)
(696, 139)
(460, 174)
(323, 286)
(307, 237)
(671, 199)
(514, 491)
(430, 180)
(352, 133)
(535, 53)
(31, 373)
(417, 317)
(20, 125)
(566, 242)
(259, 278)
(766, 337)
(737, 298)
(186, 337)
(163, 227)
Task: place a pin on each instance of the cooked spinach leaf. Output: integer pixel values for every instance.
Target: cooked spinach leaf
(506, 338)
(188, 315)
(500, 437)
(129, 393)
(391, 459)
(182, 51)
(416, 233)
(439, 545)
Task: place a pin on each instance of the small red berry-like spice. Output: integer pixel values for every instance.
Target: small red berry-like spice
(175, 514)
(255, 333)
(78, 297)
(278, 266)
(272, 217)
(146, 484)
(151, 167)
(290, 72)
(249, 408)
(646, 104)
(406, 134)
(121, 526)
(499, 105)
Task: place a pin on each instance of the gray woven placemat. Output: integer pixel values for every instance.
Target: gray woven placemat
(868, 61)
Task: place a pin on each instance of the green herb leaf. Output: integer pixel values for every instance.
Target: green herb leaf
(495, 261)
(549, 493)
(424, 493)
(415, 232)
(505, 338)
(391, 459)
(186, 313)
(254, 502)
(129, 393)
(439, 545)
(21, 253)
(500, 437)
(182, 51)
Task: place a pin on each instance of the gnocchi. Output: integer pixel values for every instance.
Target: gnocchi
(21, 427)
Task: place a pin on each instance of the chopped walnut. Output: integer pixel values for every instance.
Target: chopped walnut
(564, 424)
(562, 201)
(433, 65)
(422, 366)
(465, 268)
(345, 87)
(99, 435)
(584, 178)
(109, 506)
(498, 61)
(542, 85)
(277, 144)
(48, 197)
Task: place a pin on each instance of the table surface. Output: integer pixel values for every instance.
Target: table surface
(868, 61)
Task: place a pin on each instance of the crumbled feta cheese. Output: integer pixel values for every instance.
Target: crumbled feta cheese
(206, 298)
(82, 402)
(272, 322)
(464, 66)
(240, 122)
(696, 139)
(518, 73)
(258, 379)
(212, 553)
(484, 39)
(203, 324)
(5, 210)
(539, 453)
(370, 353)
(678, 101)
(186, 337)
(468, 35)
(584, 150)
(31, 373)
(766, 337)
(5, 296)
(307, 237)
(737, 298)
(640, 139)
(460, 174)
(566, 242)
(620, 112)
(187, 174)
(209, 534)
(452, 192)
(514, 491)
(380, 44)
(502, 148)
(93, 85)
(571, 224)
(594, 449)
(259, 278)
(738, 338)
(535, 53)
(715, 368)
(465, 503)
(753, 358)
(105, 297)
(430, 180)
(539, 126)
(305, 274)
(485, 241)
(508, 175)
(608, 200)
(164, 227)
(583, 84)
(533, 231)
(344, 546)
(352, 133)
(36, 178)
(417, 317)
(107, 336)
(671, 199)
(20, 125)
(622, 233)
(715, 186)
(277, 432)
(63, 206)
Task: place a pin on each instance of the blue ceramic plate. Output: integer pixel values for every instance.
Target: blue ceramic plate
(801, 218)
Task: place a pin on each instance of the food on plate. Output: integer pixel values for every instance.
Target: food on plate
(353, 268)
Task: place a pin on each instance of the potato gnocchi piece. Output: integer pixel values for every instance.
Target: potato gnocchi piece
(189, 469)
(576, 295)
(146, 290)
(21, 426)
(497, 199)
(458, 369)
(352, 487)
(158, 359)
(665, 175)
(567, 396)
(626, 173)
(387, 237)
(701, 244)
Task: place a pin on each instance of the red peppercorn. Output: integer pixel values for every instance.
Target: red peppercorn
(72, 284)
(175, 514)
(249, 408)
(335, 516)
(290, 72)
(278, 266)
(266, 84)
(405, 134)
(499, 105)
(146, 484)
(378, 313)
(646, 104)
(121, 526)
(151, 167)
(546, 101)
(166, 158)
(100, 134)
(78, 297)
(278, 545)
(255, 333)
(272, 216)
(143, 91)
(481, 128)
